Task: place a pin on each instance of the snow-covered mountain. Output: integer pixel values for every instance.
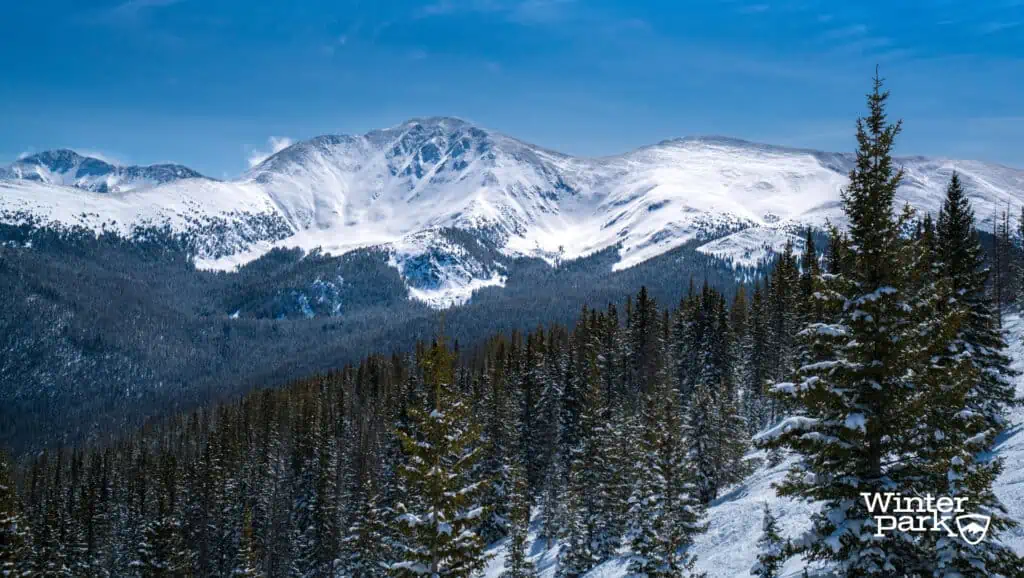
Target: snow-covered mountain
(69, 168)
(399, 187)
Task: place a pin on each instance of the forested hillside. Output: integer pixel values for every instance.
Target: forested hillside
(99, 333)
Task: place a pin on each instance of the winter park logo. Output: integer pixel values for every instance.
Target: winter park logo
(925, 514)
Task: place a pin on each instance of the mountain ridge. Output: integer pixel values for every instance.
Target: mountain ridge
(71, 168)
(395, 188)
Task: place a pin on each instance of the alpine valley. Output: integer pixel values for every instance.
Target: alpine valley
(130, 289)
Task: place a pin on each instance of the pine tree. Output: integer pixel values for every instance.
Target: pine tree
(367, 546)
(771, 547)
(162, 552)
(961, 264)
(810, 309)
(502, 434)
(325, 510)
(957, 323)
(857, 395)
(665, 503)
(14, 540)
(716, 441)
(733, 439)
(50, 545)
(784, 314)
(441, 514)
(245, 560)
(554, 501)
(756, 370)
(517, 565)
(587, 539)
(1002, 257)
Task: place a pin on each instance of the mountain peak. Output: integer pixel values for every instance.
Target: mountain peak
(70, 168)
(437, 121)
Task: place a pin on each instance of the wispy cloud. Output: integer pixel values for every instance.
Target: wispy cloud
(754, 8)
(997, 26)
(521, 11)
(276, 144)
(133, 9)
(844, 32)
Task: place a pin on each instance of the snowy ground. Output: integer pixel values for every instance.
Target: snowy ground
(1010, 447)
(729, 547)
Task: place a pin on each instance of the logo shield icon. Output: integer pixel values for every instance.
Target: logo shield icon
(973, 527)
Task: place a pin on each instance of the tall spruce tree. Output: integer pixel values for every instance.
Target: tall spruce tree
(588, 541)
(961, 264)
(517, 564)
(957, 328)
(367, 546)
(857, 396)
(667, 510)
(756, 370)
(441, 512)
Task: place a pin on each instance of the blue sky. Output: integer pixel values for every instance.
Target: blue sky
(208, 82)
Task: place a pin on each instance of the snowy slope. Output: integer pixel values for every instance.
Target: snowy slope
(729, 547)
(390, 187)
(1010, 447)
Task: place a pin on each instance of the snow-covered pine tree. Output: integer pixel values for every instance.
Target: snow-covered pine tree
(666, 510)
(733, 439)
(529, 414)
(245, 559)
(772, 548)
(50, 544)
(961, 263)
(755, 367)
(502, 413)
(1002, 258)
(644, 344)
(552, 492)
(325, 511)
(162, 552)
(739, 329)
(441, 511)
(554, 501)
(14, 538)
(953, 441)
(857, 396)
(784, 315)
(587, 540)
(517, 564)
(366, 547)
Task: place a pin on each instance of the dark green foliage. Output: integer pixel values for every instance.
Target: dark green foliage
(666, 505)
(517, 565)
(441, 509)
(958, 256)
(103, 332)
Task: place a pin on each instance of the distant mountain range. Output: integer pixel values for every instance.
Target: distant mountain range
(69, 168)
(396, 188)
